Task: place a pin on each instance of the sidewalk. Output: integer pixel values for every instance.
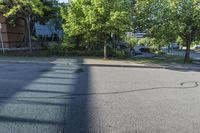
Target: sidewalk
(96, 62)
(127, 63)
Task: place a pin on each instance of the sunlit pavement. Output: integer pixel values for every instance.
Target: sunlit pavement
(34, 95)
(62, 95)
(135, 100)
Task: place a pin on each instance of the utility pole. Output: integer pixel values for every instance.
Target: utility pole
(1, 38)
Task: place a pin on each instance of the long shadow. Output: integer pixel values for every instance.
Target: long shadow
(49, 77)
(32, 101)
(22, 75)
(77, 118)
(31, 121)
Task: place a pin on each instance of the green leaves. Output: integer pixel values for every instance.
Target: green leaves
(21, 8)
(97, 19)
(170, 19)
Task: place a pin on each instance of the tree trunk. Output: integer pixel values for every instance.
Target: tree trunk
(187, 52)
(52, 38)
(29, 33)
(105, 50)
(77, 43)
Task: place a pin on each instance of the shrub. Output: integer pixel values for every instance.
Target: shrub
(57, 50)
(132, 41)
(160, 52)
(84, 53)
(118, 54)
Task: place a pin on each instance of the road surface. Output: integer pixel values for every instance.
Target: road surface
(31, 95)
(72, 98)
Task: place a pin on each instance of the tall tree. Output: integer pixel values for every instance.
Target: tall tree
(22, 9)
(74, 21)
(168, 19)
(98, 19)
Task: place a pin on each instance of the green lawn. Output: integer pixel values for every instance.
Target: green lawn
(169, 59)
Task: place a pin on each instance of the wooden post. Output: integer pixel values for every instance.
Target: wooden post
(1, 38)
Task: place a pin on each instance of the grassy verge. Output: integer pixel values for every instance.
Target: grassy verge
(25, 53)
(169, 59)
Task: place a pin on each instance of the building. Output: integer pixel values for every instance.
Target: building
(12, 36)
(50, 30)
(138, 35)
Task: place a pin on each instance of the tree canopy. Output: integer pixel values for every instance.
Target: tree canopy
(97, 19)
(170, 19)
(22, 9)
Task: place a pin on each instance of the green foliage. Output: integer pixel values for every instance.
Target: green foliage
(64, 50)
(118, 54)
(195, 43)
(95, 21)
(132, 41)
(179, 40)
(51, 11)
(57, 50)
(144, 41)
(159, 52)
(15, 9)
(21, 8)
(153, 42)
(168, 19)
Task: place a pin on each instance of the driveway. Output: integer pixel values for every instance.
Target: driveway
(65, 96)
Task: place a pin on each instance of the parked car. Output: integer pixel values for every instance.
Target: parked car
(197, 47)
(139, 50)
(175, 46)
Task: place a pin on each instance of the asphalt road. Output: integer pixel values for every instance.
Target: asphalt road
(33, 95)
(66, 97)
(135, 100)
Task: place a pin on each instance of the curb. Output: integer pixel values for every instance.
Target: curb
(26, 62)
(125, 66)
(196, 67)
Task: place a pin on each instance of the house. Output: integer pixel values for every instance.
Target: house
(49, 30)
(12, 36)
(138, 35)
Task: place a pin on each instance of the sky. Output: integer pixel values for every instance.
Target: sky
(66, 1)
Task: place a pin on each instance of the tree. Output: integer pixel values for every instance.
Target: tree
(170, 19)
(74, 17)
(98, 19)
(22, 9)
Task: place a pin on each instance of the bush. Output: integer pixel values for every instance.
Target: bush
(160, 52)
(157, 51)
(64, 50)
(118, 54)
(57, 50)
(84, 53)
